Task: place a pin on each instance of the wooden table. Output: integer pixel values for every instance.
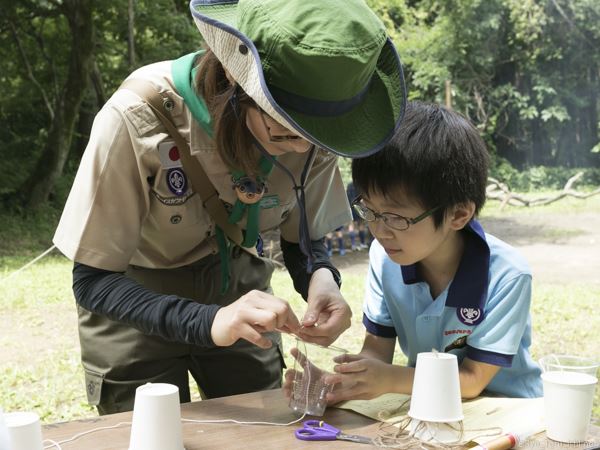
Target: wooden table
(269, 406)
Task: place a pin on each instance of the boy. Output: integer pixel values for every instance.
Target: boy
(436, 280)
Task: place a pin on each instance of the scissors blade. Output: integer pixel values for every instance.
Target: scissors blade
(355, 438)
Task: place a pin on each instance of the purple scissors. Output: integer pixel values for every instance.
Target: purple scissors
(317, 430)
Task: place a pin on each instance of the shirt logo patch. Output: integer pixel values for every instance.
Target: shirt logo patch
(177, 181)
(469, 316)
(169, 155)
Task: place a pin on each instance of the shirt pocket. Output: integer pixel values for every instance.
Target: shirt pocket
(174, 206)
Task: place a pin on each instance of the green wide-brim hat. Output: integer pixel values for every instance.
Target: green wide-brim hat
(323, 68)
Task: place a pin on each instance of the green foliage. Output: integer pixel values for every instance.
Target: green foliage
(542, 177)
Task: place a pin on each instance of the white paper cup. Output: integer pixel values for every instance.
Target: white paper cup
(436, 389)
(156, 423)
(568, 398)
(3, 432)
(312, 364)
(24, 431)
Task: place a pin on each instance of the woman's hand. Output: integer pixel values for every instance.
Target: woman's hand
(250, 316)
(328, 315)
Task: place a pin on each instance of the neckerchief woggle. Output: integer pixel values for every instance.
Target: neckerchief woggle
(183, 73)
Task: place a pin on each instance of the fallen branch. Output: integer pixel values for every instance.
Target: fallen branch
(496, 190)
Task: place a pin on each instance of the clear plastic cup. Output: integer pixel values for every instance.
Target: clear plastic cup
(312, 363)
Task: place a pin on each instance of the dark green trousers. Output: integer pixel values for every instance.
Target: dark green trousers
(117, 358)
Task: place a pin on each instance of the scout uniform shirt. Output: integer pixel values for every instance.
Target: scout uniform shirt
(132, 203)
(483, 314)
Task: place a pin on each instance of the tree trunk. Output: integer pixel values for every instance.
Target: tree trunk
(54, 154)
(131, 33)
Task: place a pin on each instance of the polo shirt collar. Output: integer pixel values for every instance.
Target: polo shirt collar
(470, 284)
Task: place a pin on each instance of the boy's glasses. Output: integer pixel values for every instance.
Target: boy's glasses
(394, 221)
(277, 138)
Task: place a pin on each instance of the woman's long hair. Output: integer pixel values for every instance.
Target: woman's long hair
(232, 137)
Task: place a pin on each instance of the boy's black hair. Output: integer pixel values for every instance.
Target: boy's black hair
(436, 156)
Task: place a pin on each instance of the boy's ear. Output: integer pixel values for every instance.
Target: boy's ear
(461, 214)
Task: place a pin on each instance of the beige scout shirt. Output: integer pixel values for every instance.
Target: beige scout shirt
(121, 211)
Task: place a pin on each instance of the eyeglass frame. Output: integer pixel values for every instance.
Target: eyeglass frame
(271, 137)
(360, 209)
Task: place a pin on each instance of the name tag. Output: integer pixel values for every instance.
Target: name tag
(269, 201)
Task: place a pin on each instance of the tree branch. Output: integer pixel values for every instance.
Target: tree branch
(496, 190)
(30, 74)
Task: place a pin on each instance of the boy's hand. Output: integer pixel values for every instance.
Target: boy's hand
(361, 378)
(328, 315)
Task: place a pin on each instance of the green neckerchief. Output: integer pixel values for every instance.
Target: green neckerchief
(184, 72)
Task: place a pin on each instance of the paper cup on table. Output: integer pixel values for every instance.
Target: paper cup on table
(569, 384)
(156, 423)
(312, 364)
(3, 432)
(435, 404)
(24, 431)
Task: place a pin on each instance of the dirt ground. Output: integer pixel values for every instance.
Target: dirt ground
(559, 248)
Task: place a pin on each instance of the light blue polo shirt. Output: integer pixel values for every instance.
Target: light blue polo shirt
(483, 314)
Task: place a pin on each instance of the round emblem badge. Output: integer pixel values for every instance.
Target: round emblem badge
(177, 181)
(469, 316)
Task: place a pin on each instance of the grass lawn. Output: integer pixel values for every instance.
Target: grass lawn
(39, 351)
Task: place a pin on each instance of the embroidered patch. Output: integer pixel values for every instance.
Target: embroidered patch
(469, 316)
(172, 201)
(169, 155)
(269, 201)
(177, 181)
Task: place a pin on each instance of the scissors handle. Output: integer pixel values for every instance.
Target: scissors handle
(317, 430)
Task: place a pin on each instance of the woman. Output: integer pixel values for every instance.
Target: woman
(283, 86)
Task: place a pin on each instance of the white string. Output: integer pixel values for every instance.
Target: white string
(307, 371)
(33, 261)
(54, 444)
(57, 445)
(83, 433)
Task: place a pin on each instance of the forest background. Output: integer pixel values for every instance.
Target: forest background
(524, 71)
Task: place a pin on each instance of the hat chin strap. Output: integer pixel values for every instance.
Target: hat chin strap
(304, 234)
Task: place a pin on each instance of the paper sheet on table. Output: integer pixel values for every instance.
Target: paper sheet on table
(521, 416)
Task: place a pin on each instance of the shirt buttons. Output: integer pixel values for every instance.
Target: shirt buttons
(175, 219)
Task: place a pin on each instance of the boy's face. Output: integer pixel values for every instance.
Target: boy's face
(415, 244)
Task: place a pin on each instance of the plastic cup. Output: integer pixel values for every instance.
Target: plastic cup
(24, 431)
(156, 423)
(569, 384)
(436, 389)
(312, 363)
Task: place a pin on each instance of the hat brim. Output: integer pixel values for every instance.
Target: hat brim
(362, 131)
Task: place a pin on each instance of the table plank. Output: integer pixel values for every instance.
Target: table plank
(268, 406)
